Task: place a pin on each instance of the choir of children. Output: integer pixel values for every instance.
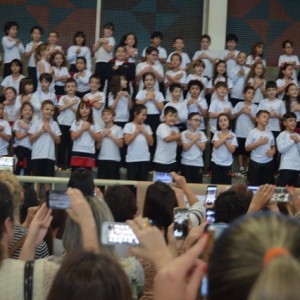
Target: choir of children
(93, 127)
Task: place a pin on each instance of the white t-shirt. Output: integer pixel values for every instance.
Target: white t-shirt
(63, 71)
(138, 149)
(165, 153)
(209, 66)
(185, 59)
(221, 156)
(259, 154)
(162, 53)
(276, 105)
(102, 55)
(238, 81)
(280, 82)
(34, 101)
(217, 106)
(10, 112)
(194, 108)
(44, 146)
(31, 62)
(67, 116)
(8, 81)
(182, 111)
(231, 63)
(85, 143)
(290, 151)
(25, 142)
(3, 143)
(121, 110)
(182, 80)
(251, 60)
(84, 52)
(141, 66)
(109, 149)
(243, 122)
(97, 113)
(46, 96)
(151, 108)
(259, 95)
(193, 156)
(83, 81)
(11, 49)
(289, 58)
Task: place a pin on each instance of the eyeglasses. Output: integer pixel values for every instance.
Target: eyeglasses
(196, 120)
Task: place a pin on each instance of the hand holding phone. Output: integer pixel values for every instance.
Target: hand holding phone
(211, 194)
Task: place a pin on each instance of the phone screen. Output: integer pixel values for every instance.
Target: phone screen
(253, 189)
(118, 233)
(181, 223)
(280, 195)
(163, 177)
(58, 200)
(7, 163)
(210, 215)
(211, 194)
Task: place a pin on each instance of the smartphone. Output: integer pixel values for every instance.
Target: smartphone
(58, 200)
(253, 189)
(7, 163)
(211, 194)
(280, 195)
(210, 215)
(116, 233)
(181, 222)
(163, 177)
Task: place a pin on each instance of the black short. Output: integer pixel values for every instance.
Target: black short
(43, 167)
(240, 150)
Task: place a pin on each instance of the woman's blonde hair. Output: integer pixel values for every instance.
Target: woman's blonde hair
(237, 270)
(14, 186)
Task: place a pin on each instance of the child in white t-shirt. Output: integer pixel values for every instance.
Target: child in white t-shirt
(138, 137)
(82, 77)
(10, 114)
(84, 134)
(206, 55)
(288, 144)
(244, 113)
(96, 99)
(67, 106)
(168, 137)
(185, 59)
(260, 142)
(193, 144)
(224, 144)
(5, 133)
(109, 158)
(195, 102)
(44, 134)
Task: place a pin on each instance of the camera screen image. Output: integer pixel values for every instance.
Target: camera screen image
(181, 223)
(121, 234)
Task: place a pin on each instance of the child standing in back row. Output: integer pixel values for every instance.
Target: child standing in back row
(185, 59)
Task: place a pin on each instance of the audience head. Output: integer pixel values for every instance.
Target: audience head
(89, 276)
(121, 201)
(232, 203)
(83, 180)
(260, 255)
(72, 239)
(160, 200)
(30, 200)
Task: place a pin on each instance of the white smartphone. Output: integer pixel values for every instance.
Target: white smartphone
(58, 200)
(211, 194)
(114, 233)
(163, 177)
(7, 163)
